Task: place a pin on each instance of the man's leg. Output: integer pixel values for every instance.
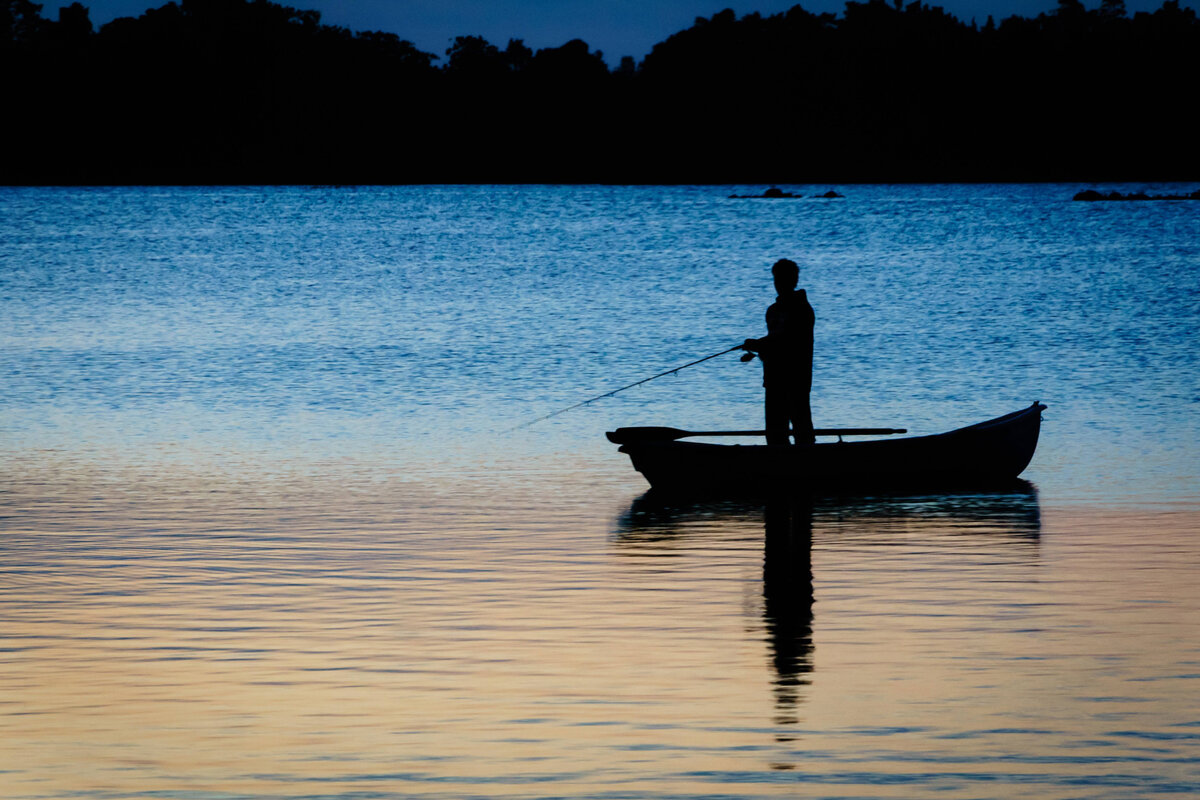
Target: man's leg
(800, 410)
(777, 414)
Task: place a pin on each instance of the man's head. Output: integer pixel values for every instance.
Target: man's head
(786, 275)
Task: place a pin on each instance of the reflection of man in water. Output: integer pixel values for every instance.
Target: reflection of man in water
(788, 600)
(786, 352)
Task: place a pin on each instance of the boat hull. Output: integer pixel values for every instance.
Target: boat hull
(990, 452)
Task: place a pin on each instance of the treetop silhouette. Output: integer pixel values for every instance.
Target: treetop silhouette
(215, 91)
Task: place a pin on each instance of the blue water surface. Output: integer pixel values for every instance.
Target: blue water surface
(411, 327)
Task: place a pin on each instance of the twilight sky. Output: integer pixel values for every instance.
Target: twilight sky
(618, 27)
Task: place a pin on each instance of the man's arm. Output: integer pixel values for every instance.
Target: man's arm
(757, 345)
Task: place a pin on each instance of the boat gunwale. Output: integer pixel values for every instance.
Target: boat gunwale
(1004, 419)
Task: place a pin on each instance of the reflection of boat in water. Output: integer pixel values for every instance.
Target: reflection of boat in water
(993, 451)
(1011, 511)
(1000, 524)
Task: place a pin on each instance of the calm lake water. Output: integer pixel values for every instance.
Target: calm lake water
(267, 529)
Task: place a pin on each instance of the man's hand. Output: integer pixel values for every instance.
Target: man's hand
(750, 345)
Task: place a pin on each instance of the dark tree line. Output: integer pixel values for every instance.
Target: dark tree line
(249, 91)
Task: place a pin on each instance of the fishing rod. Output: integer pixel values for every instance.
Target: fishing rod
(635, 383)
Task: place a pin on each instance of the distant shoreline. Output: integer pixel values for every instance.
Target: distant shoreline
(243, 92)
(1192, 195)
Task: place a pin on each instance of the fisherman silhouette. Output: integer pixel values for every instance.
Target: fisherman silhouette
(786, 352)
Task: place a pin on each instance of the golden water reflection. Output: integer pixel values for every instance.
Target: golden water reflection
(410, 643)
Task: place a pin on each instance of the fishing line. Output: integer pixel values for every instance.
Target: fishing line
(623, 388)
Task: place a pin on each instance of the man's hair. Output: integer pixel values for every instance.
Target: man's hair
(786, 268)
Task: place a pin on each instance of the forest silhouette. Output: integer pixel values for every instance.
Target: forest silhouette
(248, 91)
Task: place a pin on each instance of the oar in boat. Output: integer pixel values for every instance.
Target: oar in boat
(656, 434)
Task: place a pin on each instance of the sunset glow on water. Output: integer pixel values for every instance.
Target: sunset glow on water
(266, 530)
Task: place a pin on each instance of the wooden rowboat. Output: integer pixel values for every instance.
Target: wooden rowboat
(986, 453)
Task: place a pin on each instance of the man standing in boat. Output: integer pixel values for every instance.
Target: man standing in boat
(786, 352)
